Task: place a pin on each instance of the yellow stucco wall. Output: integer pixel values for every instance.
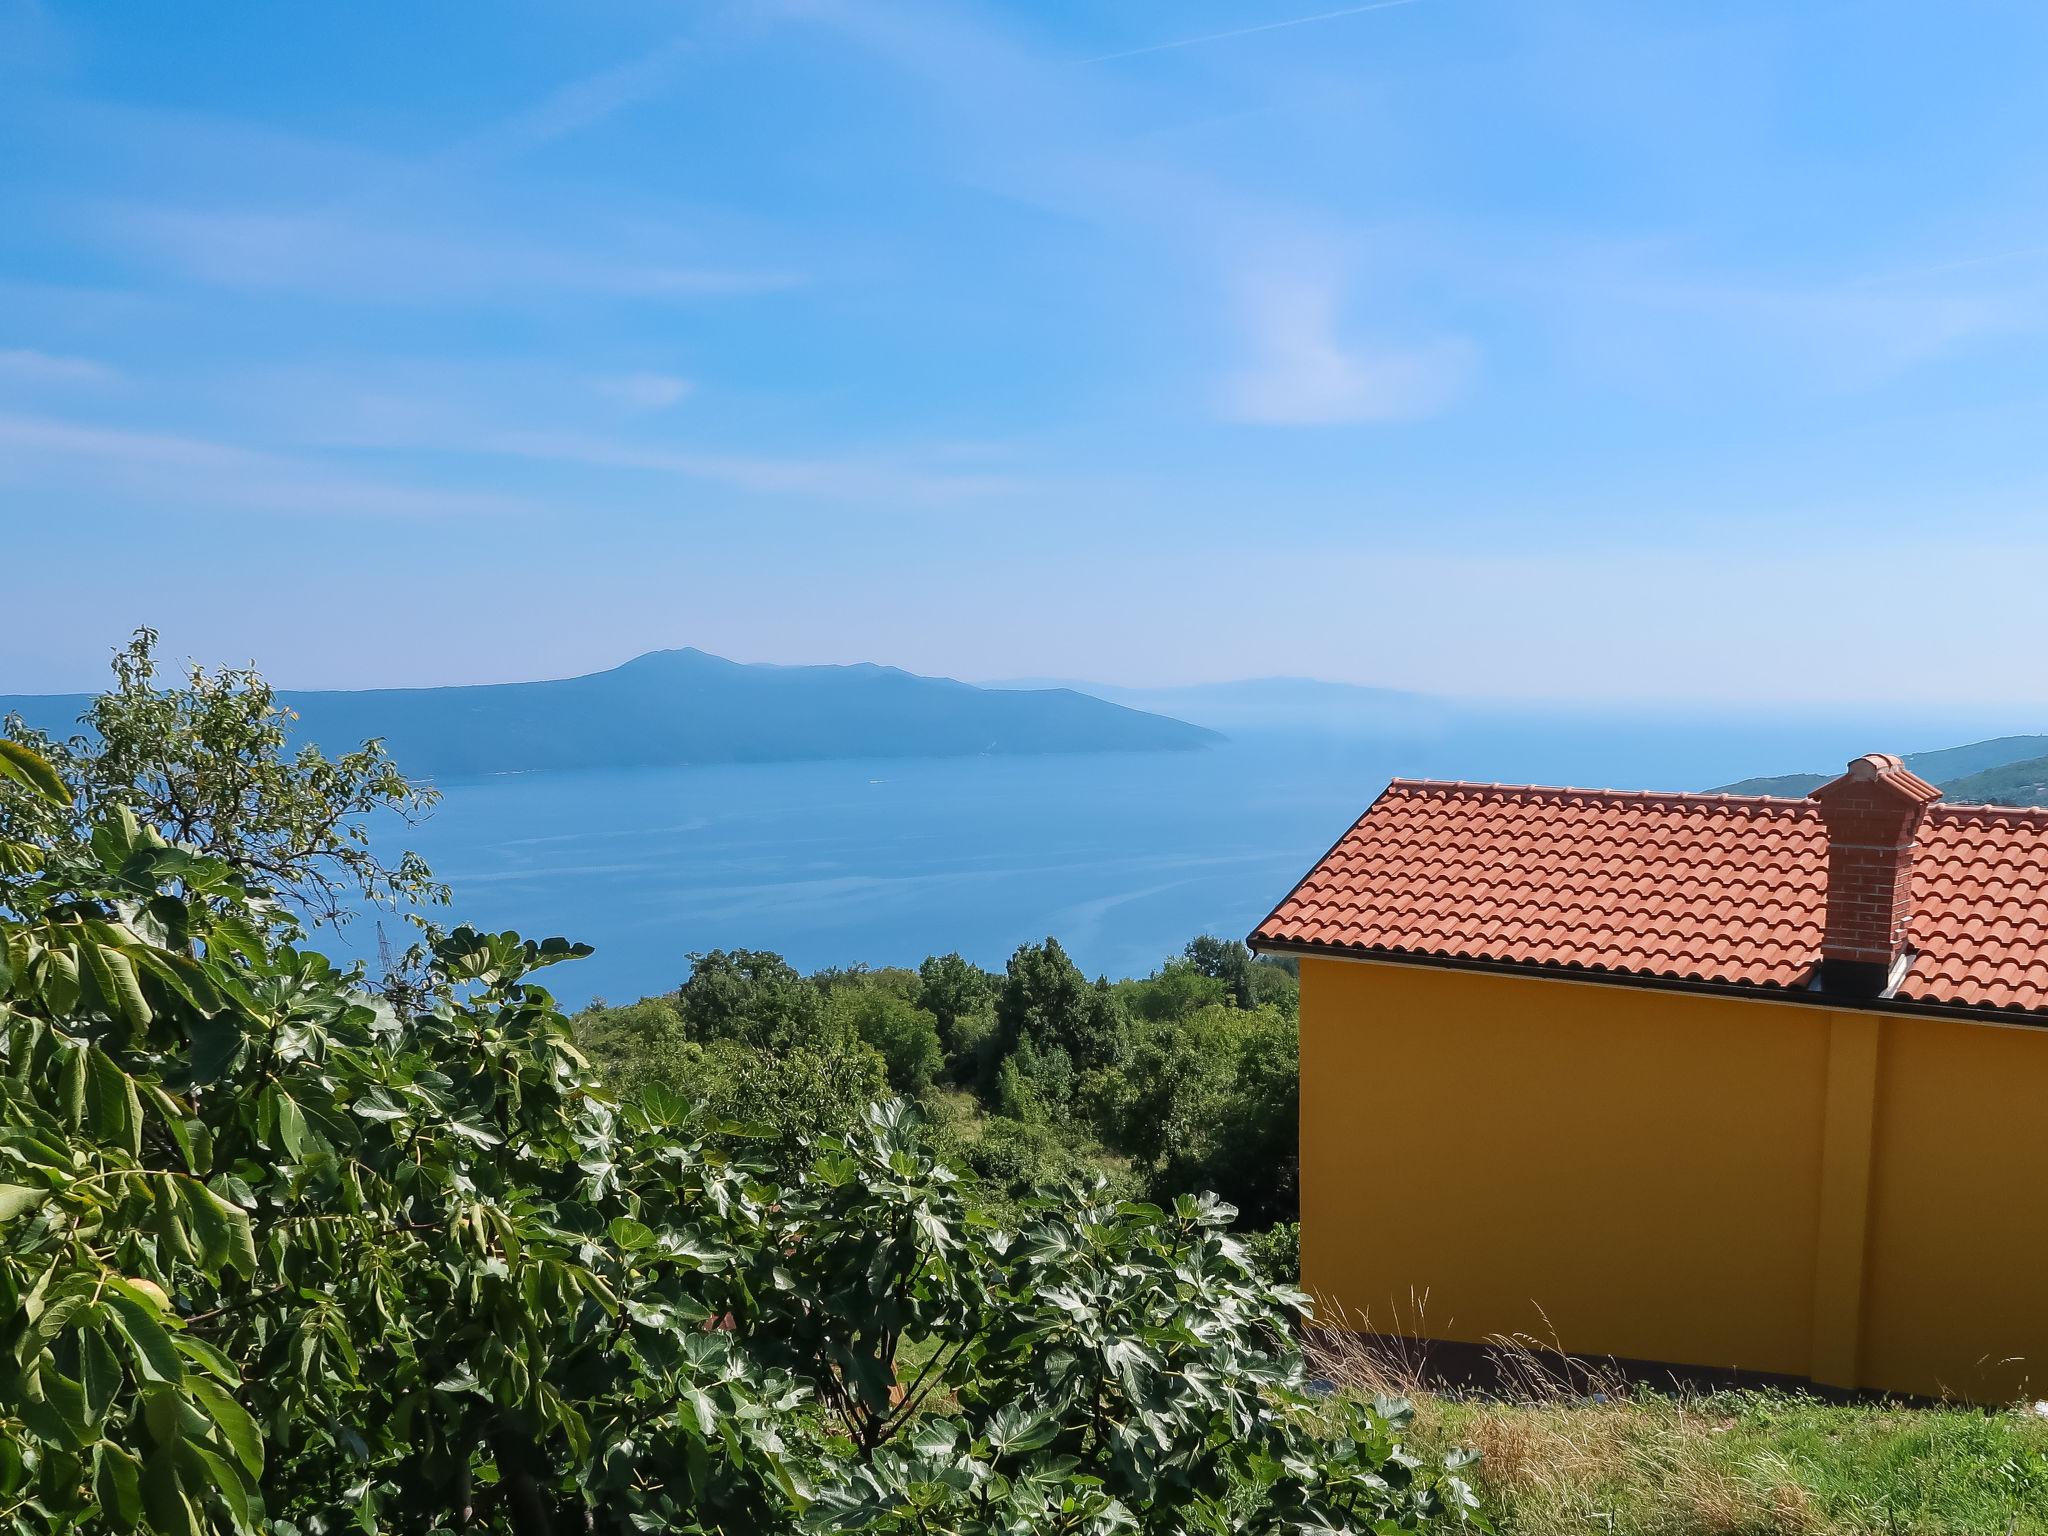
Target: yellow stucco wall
(1958, 1260)
(1661, 1176)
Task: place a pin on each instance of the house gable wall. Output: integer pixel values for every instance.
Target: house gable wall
(1705, 1180)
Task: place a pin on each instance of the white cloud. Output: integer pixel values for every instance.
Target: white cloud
(361, 258)
(1057, 138)
(1236, 32)
(1302, 371)
(521, 412)
(645, 391)
(878, 479)
(33, 367)
(579, 104)
(201, 474)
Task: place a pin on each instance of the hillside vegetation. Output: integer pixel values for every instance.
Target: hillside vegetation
(676, 707)
(1186, 1079)
(2009, 770)
(2023, 783)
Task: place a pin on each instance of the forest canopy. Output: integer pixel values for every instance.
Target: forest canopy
(1185, 1080)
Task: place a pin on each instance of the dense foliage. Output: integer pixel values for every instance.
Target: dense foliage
(277, 1255)
(1185, 1080)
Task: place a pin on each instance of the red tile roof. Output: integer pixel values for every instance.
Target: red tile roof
(1703, 888)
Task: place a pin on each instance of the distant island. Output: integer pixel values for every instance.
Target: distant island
(2008, 770)
(686, 706)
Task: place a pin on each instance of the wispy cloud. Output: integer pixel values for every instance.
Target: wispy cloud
(644, 391)
(29, 366)
(349, 255)
(867, 478)
(1268, 26)
(1304, 372)
(239, 204)
(201, 473)
(578, 104)
(1651, 312)
(1039, 131)
(522, 414)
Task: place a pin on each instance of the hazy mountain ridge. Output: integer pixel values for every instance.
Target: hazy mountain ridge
(1289, 704)
(686, 706)
(2006, 770)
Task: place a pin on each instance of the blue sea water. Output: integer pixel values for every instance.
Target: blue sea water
(1123, 857)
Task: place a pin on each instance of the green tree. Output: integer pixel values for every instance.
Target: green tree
(637, 1043)
(1224, 960)
(898, 981)
(822, 1085)
(1046, 999)
(905, 1035)
(1211, 1102)
(212, 764)
(1177, 989)
(750, 995)
(822, 1089)
(961, 996)
(1276, 983)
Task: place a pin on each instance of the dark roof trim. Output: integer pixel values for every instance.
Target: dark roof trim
(2014, 1018)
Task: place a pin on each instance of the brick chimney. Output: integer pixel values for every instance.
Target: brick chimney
(1873, 816)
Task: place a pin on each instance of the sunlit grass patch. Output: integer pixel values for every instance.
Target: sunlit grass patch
(1568, 1450)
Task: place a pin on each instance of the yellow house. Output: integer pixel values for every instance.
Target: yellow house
(1740, 1084)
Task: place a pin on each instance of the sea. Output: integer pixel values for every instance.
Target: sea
(1121, 856)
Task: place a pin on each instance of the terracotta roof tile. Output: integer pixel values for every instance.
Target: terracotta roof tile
(1722, 888)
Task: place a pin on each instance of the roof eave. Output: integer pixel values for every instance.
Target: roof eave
(1978, 1013)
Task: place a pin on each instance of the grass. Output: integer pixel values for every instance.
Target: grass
(1574, 1451)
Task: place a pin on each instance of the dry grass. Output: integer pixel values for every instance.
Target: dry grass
(1570, 1448)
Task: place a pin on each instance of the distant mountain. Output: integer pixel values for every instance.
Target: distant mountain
(2008, 770)
(1285, 704)
(686, 706)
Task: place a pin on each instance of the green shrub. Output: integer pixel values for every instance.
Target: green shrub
(903, 1034)
(1174, 991)
(636, 1044)
(1276, 1252)
(1211, 1102)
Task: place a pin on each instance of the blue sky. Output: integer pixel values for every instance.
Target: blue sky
(1551, 349)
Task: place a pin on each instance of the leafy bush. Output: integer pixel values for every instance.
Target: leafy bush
(819, 1083)
(638, 1044)
(1014, 1160)
(904, 1035)
(1174, 991)
(1210, 1101)
(277, 1257)
(1276, 1252)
